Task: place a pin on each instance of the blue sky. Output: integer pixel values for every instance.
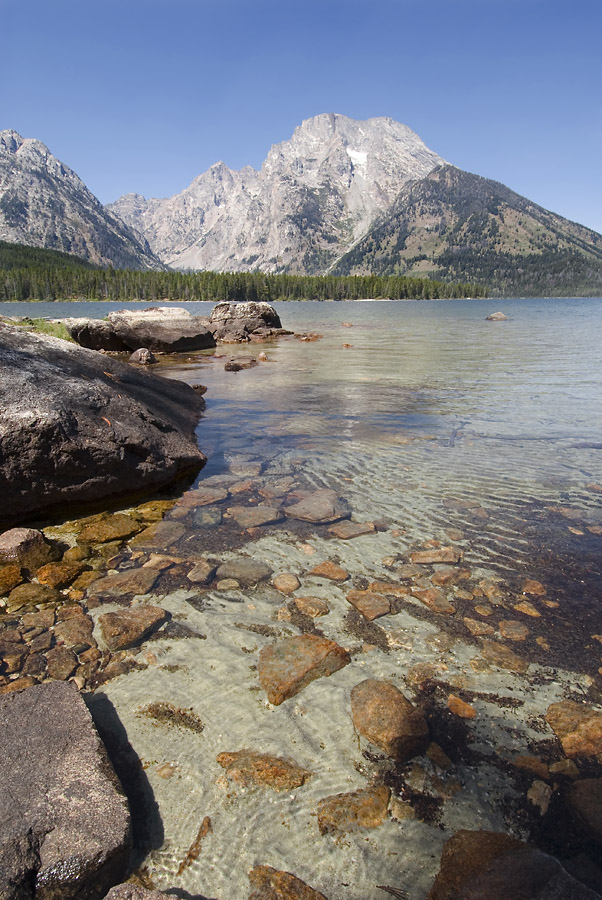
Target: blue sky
(143, 95)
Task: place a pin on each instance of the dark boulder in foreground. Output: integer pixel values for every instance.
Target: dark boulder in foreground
(78, 427)
(478, 864)
(65, 824)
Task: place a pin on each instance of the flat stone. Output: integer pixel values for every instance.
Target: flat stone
(577, 726)
(59, 574)
(159, 536)
(32, 594)
(527, 609)
(10, 577)
(288, 666)
(477, 628)
(387, 719)
(347, 530)
(114, 528)
(443, 577)
(533, 587)
(202, 572)
(478, 864)
(271, 884)
(25, 547)
(329, 570)
(437, 555)
(365, 808)
(203, 496)
(129, 581)
(371, 606)
(321, 507)
(312, 606)
(60, 794)
(41, 618)
(245, 571)
(227, 584)
(248, 767)
(435, 600)
(392, 590)
(254, 516)
(61, 663)
(503, 657)
(76, 632)
(208, 517)
(513, 630)
(129, 627)
(286, 583)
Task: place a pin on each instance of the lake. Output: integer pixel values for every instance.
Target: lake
(437, 428)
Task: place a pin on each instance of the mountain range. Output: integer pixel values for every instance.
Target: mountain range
(340, 197)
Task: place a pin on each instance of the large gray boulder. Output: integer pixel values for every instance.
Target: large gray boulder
(239, 322)
(79, 427)
(161, 329)
(65, 824)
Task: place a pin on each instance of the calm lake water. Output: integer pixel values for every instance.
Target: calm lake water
(434, 422)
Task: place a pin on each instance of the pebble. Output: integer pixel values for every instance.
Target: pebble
(533, 587)
(329, 570)
(476, 628)
(286, 583)
(202, 572)
(527, 608)
(312, 606)
(459, 708)
(513, 630)
(370, 605)
(248, 767)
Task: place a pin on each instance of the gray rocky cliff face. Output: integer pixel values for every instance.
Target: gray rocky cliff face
(43, 203)
(313, 198)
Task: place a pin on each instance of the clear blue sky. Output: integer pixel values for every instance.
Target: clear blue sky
(143, 95)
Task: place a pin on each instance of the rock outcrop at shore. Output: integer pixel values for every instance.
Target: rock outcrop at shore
(171, 329)
(65, 825)
(78, 427)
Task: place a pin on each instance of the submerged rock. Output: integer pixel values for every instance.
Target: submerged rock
(250, 767)
(129, 627)
(288, 666)
(78, 427)
(577, 726)
(365, 808)
(321, 507)
(245, 571)
(478, 864)
(65, 819)
(382, 714)
(271, 884)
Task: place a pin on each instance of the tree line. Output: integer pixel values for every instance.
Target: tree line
(75, 283)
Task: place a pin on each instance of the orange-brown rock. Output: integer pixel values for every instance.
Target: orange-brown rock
(59, 574)
(330, 570)
(386, 718)
(449, 576)
(513, 630)
(459, 708)
(272, 884)
(533, 765)
(129, 581)
(61, 663)
(435, 600)
(491, 589)
(76, 632)
(347, 530)
(286, 583)
(528, 609)
(113, 528)
(10, 577)
(288, 666)
(248, 767)
(477, 628)
(312, 606)
(484, 864)
(535, 588)
(203, 496)
(504, 657)
(440, 555)
(385, 587)
(129, 627)
(577, 726)
(371, 606)
(341, 813)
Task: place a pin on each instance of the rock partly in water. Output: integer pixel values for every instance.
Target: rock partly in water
(164, 329)
(128, 627)
(288, 666)
(321, 507)
(382, 714)
(272, 884)
(235, 323)
(143, 357)
(79, 427)
(248, 767)
(478, 864)
(496, 317)
(64, 814)
(25, 547)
